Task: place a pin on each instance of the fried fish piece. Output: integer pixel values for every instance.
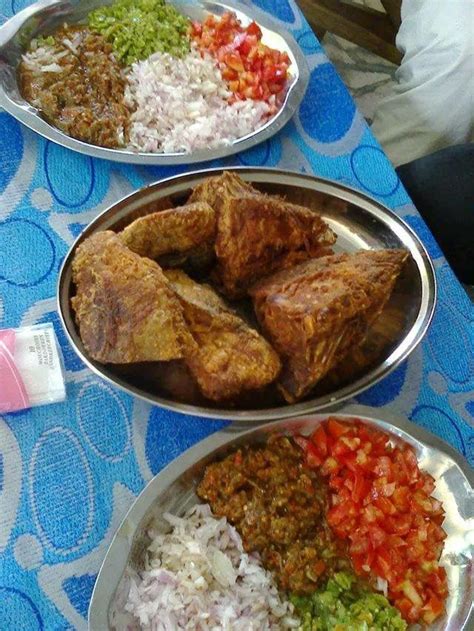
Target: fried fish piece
(171, 231)
(317, 311)
(258, 234)
(125, 309)
(225, 355)
(200, 259)
(215, 190)
(172, 379)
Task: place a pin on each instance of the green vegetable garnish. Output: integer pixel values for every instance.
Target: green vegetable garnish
(46, 41)
(346, 605)
(139, 28)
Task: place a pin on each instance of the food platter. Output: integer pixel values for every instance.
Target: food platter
(46, 15)
(173, 490)
(358, 221)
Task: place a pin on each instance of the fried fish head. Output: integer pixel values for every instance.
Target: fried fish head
(226, 356)
(124, 307)
(317, 311)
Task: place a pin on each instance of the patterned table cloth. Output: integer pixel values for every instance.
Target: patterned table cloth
(69, 472)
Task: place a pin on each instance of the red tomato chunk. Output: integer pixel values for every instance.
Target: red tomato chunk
(381, 504)
(251, 69)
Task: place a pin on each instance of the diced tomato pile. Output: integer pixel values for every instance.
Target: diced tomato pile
(381, 504)
(250, 68)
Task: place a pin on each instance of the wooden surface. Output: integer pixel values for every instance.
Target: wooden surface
(368, 28)
(393, 9)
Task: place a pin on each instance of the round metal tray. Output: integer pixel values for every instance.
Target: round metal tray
(359, 221)
(173, 490)
(46, 15)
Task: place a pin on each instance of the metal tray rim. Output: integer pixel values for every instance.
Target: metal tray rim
(33, 121)
(104, 587)
(424, 318)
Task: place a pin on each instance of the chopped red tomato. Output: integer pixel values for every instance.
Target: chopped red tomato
(432, 609)
(385, 505)
(313, 459)
(360, 487)
(401, 498)
(252, 69)
(381, 503)
(330, 465)
(320, 439)
(254, 29)
(336, 429)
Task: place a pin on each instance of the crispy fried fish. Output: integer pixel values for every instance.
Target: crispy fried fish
(315, 312)
(124, 306)
(258, 234)
(215, 190)
(225, 355)
(174, 230)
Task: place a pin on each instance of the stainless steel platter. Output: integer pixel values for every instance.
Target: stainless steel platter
(173, 490)
(46, 15)
(359, 221)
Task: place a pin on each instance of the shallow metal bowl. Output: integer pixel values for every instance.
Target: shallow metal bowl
(46, 15)
(173, 490)
(359, 221)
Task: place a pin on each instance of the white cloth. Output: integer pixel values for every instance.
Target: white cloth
(432, 106)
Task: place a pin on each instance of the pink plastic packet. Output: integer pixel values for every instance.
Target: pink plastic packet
(30, 368)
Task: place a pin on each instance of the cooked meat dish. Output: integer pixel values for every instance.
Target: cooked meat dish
(316, 311)
(223, 353)
(175, 230)
(125, 309)
(77, 84)
(258, 234)
(278, 505)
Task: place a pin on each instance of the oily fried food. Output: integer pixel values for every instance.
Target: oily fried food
(258, 234)
(125, 309)
(224, 354)
(315, 312)
(215, 190)
(199, 260)
(172, 379)
(174, 230)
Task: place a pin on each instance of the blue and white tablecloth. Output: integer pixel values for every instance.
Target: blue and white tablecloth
(68, 472)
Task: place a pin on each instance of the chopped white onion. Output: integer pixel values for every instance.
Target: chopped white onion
(52, 68)
(382, 585)
(198, 578)
(67, 42)
(181, 105)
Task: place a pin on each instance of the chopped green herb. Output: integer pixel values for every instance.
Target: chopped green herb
(139, 28)
(46, 41)
(346, 605)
